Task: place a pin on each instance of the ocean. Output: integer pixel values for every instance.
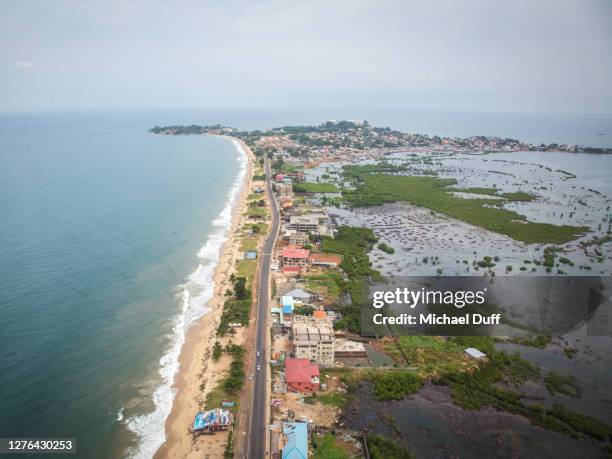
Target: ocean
(108, 239)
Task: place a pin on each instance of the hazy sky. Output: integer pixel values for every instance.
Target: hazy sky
(519, 55)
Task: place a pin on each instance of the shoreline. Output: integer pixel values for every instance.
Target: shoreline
(197, 373)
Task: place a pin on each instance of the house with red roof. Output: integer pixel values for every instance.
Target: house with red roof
(294, 255)
(301, 375)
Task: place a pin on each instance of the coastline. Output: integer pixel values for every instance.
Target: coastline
(198, 374)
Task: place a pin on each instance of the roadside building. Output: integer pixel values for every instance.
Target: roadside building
(313, 339)
(295, 256)
(295, 237)
(291, 270)
(287, 305)
(296, 440)
(301, 375)
(284, 188)
(299, 294)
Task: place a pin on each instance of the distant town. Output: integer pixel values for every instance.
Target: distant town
(340, 140)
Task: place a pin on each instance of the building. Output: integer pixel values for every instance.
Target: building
(287, 305)
(295, 237)
(326, 260)
(311, 223)
(300, 295)
(279, 177)
(313, 339)
(291, 270)
(297, 176)
(347, 349)
(212, 420)
(301, 375)
(475, 353)
(250, 255)
(284, 188)
(295, 256)
(319, 314)
(296, 440)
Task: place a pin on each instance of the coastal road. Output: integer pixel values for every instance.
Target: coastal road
(258, 421)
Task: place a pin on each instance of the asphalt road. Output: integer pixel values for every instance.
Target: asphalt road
(258, 422)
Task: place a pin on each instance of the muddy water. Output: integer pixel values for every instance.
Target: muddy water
(430, 425)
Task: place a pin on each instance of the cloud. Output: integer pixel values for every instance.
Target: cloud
(24, 65)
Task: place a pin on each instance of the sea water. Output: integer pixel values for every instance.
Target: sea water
(108, 240)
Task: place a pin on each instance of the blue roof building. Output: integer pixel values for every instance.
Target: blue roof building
(297, 440)
(288, 304)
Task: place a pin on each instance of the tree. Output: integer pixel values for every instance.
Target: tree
(217, 351)
(240, 289)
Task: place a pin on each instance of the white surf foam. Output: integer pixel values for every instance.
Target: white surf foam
(196, 292)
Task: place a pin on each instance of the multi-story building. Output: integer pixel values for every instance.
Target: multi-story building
(295, 256)
(313, 339)
(295, 237)
(311, 223)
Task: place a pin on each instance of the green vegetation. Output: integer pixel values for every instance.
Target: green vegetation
(486, 262)
(336, 399)
(433, 193)
(519, 196)
(259, 178)
(386, 248)
(229, 386)
(228, 452)
(238, 307)
(484, 387)
(383, 448)
(431, 355)
(556, 383)
(394, 385)
(327, 448)
(246, 268)
(476, 190)
(217, 351)
(256, 212)
(327, 283)
(312, 187)
(303, 310)
(353, 244)
(598, 240)
(511, 196)
(234, 311)
(540, 341)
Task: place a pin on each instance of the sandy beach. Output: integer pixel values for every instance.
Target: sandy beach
(198, 373)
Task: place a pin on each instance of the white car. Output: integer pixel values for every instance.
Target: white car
(258, 367)
(258, 353)
(250, 377)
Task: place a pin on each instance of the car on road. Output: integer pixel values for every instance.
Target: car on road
(258, 367)
(258, 353)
